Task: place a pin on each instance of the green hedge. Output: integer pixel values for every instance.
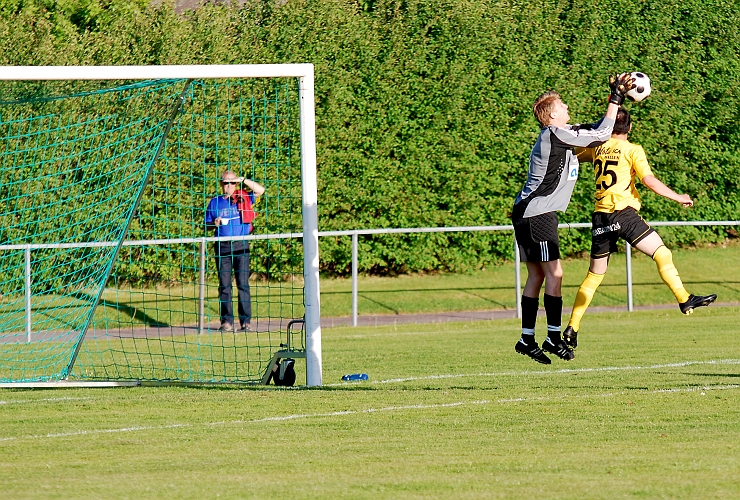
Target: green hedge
(424, 106)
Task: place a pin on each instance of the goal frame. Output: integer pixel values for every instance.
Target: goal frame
(305, 73)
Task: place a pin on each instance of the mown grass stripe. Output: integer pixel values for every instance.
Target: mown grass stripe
(283, 418)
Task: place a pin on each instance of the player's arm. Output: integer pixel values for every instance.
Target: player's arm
(589, 136)
(586, 136)
(585, 154)
(657, 187)
(638, 159)
(611, 111)
(257, 188)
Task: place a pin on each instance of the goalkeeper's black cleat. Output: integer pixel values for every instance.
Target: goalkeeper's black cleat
(533, 351)
(570, 337)
(696, 301)
(559, 348)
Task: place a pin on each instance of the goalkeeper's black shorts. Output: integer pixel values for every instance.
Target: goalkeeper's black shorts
(609, 227)
(537, 237)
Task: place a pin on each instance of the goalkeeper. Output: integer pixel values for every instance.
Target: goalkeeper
(553, 170)
(616, 163)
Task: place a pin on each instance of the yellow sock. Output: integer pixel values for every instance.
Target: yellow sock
(668, 272)
(583, 298)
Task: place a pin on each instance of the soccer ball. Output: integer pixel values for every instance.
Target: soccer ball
(642, 87)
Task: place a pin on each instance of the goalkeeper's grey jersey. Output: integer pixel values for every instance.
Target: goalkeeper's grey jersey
(553, 166)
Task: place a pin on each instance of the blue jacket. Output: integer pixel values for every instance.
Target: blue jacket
(223, 207)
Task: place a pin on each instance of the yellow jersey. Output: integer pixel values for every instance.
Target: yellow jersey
(616, 163)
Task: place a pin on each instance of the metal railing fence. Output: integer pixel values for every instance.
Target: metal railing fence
(517, 267)
(354, 234)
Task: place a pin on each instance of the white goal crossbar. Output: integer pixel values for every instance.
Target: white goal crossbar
(305, 73)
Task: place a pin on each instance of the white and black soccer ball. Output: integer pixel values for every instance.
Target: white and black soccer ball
(642, 87)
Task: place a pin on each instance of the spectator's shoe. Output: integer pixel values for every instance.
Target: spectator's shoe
(570, 337)
(696, 301)
(226, 327)
(246, 327)
(558, 348)
(533, 351)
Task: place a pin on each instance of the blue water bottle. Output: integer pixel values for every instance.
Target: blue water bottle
(355, 376)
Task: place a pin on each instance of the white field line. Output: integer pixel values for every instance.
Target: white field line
(43, 400)
(464, 375)
(551, 372)
(282, 418)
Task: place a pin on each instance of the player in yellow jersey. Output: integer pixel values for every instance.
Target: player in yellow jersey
(616, 164)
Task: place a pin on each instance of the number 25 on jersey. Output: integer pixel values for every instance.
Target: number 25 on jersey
(605, 176)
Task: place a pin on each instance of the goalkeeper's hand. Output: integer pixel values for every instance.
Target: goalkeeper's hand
(620, 85)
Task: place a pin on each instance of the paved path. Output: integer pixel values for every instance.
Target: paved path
(280, 325)
(446, 317)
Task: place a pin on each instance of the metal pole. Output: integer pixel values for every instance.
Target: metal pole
(202, 286)
(27, 275)
(310, 230)
(517, 280)
(628, 253)
(354, 279)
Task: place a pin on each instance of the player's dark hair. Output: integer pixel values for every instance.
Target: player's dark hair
(623, 122)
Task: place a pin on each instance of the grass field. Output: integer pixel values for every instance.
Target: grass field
(650, 408)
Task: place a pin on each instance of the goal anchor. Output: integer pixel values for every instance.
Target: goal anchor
(287, 353)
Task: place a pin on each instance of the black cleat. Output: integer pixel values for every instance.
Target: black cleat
(560, 349)
(570, 337)
(696, 301)
(533, 351)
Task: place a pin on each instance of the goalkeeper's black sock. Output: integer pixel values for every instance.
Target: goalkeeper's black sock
(554, 311)
(529, 317)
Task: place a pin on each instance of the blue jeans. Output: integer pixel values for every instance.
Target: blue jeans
(238, 265)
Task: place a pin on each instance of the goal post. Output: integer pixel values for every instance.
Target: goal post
(100, 144)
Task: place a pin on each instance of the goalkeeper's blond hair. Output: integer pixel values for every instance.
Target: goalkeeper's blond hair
(543, 106)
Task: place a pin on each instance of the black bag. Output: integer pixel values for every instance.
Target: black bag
(283, 373)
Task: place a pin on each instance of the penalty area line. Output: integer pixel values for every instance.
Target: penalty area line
(282, 418)
(41, 400)
(547, 372)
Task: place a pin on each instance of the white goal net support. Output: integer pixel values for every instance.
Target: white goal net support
(109, 263)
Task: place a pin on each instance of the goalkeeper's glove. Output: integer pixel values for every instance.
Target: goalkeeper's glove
(620, 85)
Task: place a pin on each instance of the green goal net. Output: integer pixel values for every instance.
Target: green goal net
(111, 266)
